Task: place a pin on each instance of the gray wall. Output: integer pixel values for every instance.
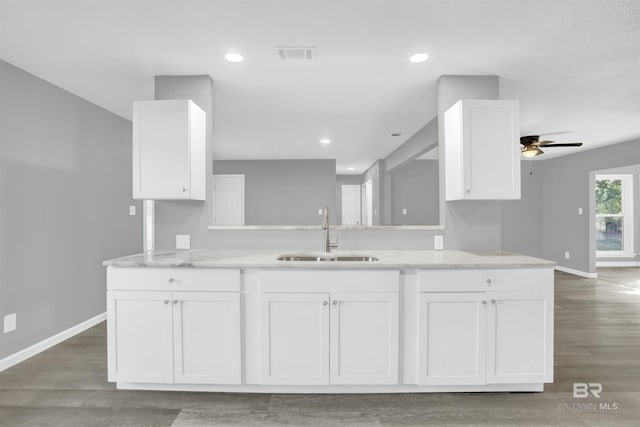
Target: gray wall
(419, 143)
(566, 187)
(414, 186)
(522, 219)
(65, 187)
(565, 184)
(284, 192)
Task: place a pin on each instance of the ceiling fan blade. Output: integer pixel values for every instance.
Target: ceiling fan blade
(570, 144)
(543, 143)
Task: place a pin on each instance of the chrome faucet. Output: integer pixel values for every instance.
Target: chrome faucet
(325, 226)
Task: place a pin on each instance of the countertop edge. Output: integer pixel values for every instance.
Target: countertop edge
(256, 259)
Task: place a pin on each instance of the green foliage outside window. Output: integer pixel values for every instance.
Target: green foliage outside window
(608, 196)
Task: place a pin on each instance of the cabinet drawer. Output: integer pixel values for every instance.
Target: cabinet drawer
(173, 279)
(486, 280)
(330, 281)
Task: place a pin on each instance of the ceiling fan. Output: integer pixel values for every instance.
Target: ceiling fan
(531, 145)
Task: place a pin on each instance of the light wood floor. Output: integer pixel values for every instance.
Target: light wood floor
(597, 341)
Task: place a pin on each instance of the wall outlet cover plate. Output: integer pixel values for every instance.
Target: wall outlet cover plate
(183, 241)
(438, 242)
(9, 322)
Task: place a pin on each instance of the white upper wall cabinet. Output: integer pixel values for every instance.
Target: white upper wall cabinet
(169, 150)
(482, 150)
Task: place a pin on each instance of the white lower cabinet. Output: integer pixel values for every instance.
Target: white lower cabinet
(295, 338)
(206, 338)
(140, 336)
(452, 343)
(519, 337)
(347, 330)
(485, 337)
(329, 338)
(364, 338)
(179, 337)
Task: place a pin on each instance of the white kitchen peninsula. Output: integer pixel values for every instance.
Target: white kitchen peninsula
(411, 321)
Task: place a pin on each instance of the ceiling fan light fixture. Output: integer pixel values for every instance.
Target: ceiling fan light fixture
(531, 151)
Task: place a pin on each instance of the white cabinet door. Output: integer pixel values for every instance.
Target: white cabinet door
(295, 338)
(482, 150)
(364, 338)
(452, 338)
(206, 331)
(169, 139)
(520, 337)
(140, 337)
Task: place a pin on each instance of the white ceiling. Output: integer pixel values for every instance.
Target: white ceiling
(574, 65)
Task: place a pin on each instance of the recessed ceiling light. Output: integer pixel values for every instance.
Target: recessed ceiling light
(419, 57)
(325, 141)
(234, 57)
(351, 168)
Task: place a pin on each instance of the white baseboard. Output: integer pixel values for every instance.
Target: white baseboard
(577, 272)
(31, 351)
(617, 264)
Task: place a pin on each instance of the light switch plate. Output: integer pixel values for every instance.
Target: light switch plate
(132, 210)
(320, 211)
(9, 322)
(567, 255)
(183, 241)
(579, 211)
(404, 211)
(438, 242)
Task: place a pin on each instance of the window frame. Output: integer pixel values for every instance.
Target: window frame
(626, 193)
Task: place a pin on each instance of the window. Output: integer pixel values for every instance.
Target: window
(614, 215)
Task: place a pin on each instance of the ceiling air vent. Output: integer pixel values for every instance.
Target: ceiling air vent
(296, 53)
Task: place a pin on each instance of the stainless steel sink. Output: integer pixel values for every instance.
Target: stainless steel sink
(356, 258)
(327, 258)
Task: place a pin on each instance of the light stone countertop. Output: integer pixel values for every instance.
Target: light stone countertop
(387, 259)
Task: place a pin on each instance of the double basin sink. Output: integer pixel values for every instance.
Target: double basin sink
(327, 258)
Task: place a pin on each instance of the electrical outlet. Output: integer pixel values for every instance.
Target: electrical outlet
(404, 211)
(132, 210)
(183, 241)
(438, 242)
(9, 323)
(567, 255)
